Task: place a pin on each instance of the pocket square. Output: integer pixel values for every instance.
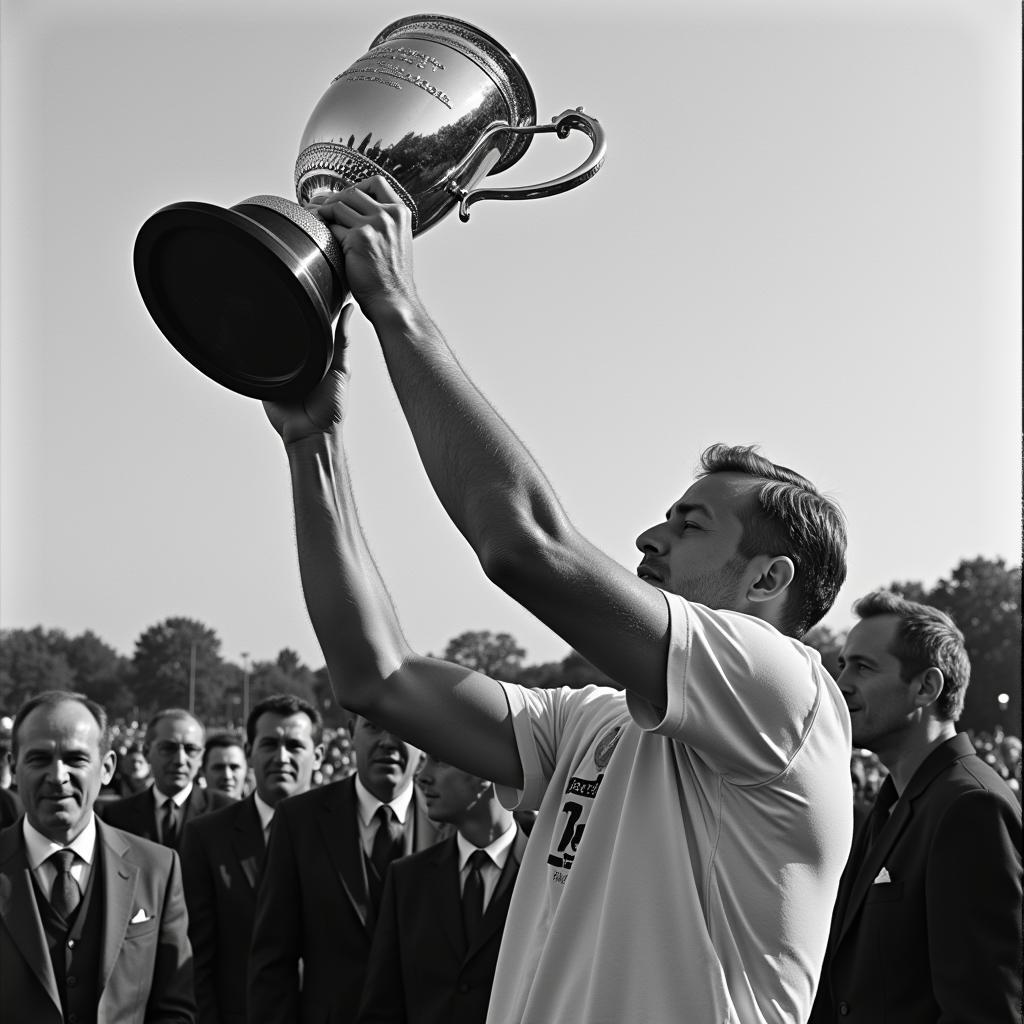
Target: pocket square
(882, 878)
(140, 917)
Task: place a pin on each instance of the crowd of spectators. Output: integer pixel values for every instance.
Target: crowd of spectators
(997, 748)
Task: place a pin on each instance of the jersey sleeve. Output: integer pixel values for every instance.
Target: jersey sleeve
(739, 693)
(541, 718)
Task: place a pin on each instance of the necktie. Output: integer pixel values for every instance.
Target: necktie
(388, 842)
(473, 895)
(879, 815)
(66, 895)
(169, 825)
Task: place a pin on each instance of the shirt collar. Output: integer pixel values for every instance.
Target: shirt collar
(498, 850)
(38, 848)
(368, 803)
(178, 799)
(265, 811)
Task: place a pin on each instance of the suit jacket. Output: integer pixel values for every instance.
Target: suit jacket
(421, 969)
(10, 807)
(940, 940)
(221, 860)
(137, 813)
(314, 906)
(145, 964)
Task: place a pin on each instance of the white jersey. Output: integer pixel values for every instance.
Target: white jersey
(685, 860)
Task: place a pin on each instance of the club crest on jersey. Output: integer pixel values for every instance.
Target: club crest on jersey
(606, 745)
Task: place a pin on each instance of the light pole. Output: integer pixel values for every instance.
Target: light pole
(192, 681)
(245, 687)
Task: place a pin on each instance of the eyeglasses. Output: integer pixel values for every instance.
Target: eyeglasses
(168, 748)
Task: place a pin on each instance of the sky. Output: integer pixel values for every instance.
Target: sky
(806, 235)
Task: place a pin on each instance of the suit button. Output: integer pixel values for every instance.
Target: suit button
(463, 988)
(71, 943)
(72, 980)
(72, 1018)
(844, 1009)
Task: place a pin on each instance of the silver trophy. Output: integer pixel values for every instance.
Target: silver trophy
(249, 294)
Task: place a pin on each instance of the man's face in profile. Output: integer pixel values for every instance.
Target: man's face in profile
(695, 551)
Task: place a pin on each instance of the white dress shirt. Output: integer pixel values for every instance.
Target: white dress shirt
(497, 853)
(39, 849)
(266, 813)
(178, 800)
(368, 805)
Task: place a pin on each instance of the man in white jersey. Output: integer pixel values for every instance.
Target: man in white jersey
(694, 820)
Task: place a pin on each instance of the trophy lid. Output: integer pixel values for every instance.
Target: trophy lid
(485, 50)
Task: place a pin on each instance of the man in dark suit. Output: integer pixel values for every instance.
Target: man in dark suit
(10, 807)
(174, 748)
(927, 922)
(318, 897)
(443, 910)
(222, 853)
(93, 924)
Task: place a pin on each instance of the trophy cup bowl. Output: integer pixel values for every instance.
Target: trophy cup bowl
(249, 294)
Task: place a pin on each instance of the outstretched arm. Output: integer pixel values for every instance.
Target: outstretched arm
(459, 715)
(489, 484)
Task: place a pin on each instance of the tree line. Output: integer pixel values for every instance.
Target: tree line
(178, 661)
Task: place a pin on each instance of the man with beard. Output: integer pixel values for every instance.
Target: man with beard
(927, 925)
(222, 853)
(694, 818)
(173, 745)
(318, 899)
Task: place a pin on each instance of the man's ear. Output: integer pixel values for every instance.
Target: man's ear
(929, 686)
(107, 768)
(774, 575)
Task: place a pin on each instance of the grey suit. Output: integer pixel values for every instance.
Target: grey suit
(145, 963)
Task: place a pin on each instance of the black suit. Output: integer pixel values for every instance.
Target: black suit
(421, 969)
(144, 960)
(940, 941)
(10, 807)
(314, 906)
(137, 813)
(221, 858)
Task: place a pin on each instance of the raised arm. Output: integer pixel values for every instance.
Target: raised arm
(459, 715)
(489, 484)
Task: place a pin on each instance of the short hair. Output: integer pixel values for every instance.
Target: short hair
(54, 698)
(221, 740)
(925, 638)
(793, 518)
(168, 713)
(284, 704)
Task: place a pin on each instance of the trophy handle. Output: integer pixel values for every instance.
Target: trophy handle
(561, 125)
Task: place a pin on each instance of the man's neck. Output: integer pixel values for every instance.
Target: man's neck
(482, 829)
(903, 760)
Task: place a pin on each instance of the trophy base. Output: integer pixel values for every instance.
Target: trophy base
(244, 294)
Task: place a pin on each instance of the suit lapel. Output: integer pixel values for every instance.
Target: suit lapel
(194, 806)
(247, 841)
(119, 876)
(497, 908)
(445, 893)
(933, 766)
(339, 824)
(874, 860)
(20, 914)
